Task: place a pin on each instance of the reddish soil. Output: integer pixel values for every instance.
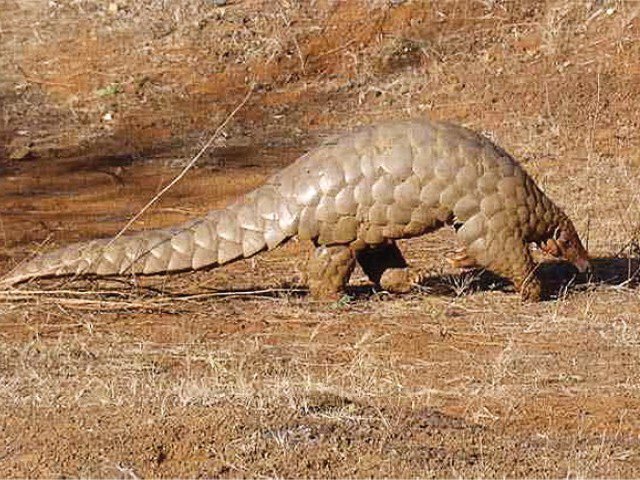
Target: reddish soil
(237, 372)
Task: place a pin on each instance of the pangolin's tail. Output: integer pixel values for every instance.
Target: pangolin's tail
(260, 220)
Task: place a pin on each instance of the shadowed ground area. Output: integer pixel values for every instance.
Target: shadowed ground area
(236, 372)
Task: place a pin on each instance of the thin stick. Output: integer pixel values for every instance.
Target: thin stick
(185, 169)
(88, 299)
(31, 79)
(79, 294)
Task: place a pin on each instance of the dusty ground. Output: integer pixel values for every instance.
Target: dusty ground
(236, 372)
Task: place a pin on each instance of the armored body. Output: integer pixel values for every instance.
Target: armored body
(353, 197)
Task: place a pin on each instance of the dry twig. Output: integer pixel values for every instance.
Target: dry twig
(184, 171)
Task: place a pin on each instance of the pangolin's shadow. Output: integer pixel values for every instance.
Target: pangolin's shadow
(558, 278)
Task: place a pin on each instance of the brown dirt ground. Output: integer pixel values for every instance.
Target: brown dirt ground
(202, 374)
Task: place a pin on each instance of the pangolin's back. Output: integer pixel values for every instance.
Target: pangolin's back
(401, 179)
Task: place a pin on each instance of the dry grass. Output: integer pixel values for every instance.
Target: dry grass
(236, 372)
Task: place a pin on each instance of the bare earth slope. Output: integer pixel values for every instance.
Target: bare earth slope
(237, 372)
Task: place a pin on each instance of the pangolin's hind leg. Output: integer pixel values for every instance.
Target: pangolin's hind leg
(386, 267)
(508, 255)
(329, 269)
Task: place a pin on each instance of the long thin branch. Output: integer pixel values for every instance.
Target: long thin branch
(184, 171)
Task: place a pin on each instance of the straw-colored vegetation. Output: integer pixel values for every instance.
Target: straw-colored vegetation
(236, 372)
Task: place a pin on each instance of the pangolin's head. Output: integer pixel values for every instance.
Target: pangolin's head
(565, 243)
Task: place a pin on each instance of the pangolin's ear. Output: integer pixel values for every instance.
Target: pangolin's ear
(552, 248)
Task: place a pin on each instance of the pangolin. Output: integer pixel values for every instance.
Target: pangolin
(354, 196)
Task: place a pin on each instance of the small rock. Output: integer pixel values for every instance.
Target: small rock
(219, 3)
(113, 7)
(20, 153)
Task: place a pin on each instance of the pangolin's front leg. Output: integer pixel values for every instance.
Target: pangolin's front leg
(386, 267)
(329, 269)
(512, 259)
(505, 252)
